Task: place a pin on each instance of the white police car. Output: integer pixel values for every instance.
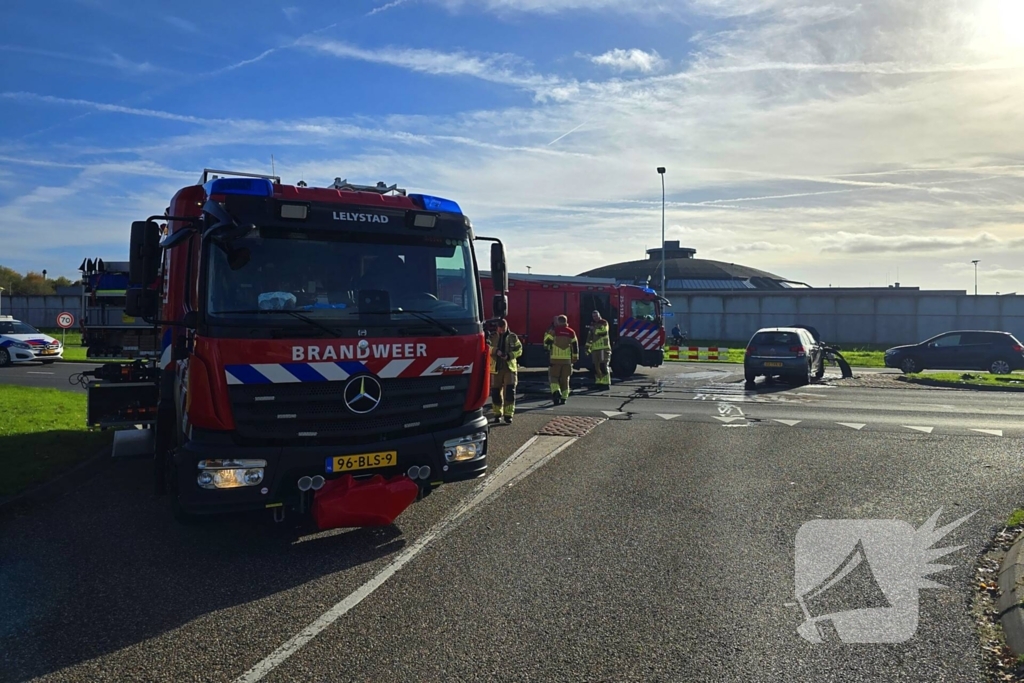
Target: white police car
(22, 343)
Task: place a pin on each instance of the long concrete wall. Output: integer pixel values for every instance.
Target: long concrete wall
(41, 311)
(887, 317)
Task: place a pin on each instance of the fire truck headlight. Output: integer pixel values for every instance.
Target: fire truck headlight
(230, 474)
(468, 447)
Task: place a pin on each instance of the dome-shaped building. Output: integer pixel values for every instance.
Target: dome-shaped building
(684, 273)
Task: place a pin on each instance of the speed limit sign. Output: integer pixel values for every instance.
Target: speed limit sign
(65, 320)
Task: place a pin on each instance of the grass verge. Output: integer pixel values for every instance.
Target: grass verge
(965, 379)
(857, 357)
(42, 433)
(1016, 518)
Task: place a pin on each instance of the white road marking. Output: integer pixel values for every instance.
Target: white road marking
(926, 430)
(993, 432)
(788, 423)
(666, 416)
(518, 466)
(612, 413)
(33, 372)
(851, 425)
(728, 419)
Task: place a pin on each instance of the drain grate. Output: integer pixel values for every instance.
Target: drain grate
(570, 425)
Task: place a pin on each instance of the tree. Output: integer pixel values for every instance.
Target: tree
(16, 284)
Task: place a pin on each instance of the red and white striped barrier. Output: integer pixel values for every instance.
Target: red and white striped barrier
(696, 353)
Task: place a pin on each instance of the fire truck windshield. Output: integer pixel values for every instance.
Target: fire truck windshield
(340, 277)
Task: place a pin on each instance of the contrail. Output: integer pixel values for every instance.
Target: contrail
(567, 133)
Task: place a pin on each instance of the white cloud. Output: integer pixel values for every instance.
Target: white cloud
(501, 68)
(182, 24)
(291, 12)
(113, 61)
(630, 60)
(872, 243)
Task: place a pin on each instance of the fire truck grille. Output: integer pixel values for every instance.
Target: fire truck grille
(317, 410)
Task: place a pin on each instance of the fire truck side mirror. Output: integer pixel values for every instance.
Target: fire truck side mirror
(140, 303)
(144, 253)
(499, 269)
(500, 305)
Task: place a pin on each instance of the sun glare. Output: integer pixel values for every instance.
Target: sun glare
(1010, 17)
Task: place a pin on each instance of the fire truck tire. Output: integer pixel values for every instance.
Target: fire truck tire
(180, 516)
(624, 362)
(5, 358)
(166, 433)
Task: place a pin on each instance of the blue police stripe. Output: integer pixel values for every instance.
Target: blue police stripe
(303, 372)
(246, 374)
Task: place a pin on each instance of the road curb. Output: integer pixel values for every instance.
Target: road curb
(957, 385)
(60, 485)
(1009, 607)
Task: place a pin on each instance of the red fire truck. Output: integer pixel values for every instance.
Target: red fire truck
(634, 315)
(323, 349)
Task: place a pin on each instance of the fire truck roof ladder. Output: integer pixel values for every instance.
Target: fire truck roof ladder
(380, 187)
(212, 174)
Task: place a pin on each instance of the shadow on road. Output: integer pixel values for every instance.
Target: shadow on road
(30, 459)
(107, 567)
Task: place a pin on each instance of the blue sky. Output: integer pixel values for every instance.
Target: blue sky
(830, 143)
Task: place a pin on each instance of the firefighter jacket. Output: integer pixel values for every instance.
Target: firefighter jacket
(508, 344)
(562, 344)
(597, 337)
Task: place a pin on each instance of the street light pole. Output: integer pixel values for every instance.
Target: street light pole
(1, 300)
(661, 172)
(975, 262)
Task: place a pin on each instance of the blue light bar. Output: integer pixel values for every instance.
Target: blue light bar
(436, 203)
(256, 187)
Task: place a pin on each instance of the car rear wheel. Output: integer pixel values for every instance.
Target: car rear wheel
(910, 365)
(5, 358)
(1000, 366)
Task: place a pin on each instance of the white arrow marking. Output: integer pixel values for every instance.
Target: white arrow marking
(789, 423)
(851, 425)
(611, 413)
(926, 430)
(993, 432)
(727, 419)
(665, 416)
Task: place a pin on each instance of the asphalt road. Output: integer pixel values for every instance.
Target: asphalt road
(660, 546)
(55, 376)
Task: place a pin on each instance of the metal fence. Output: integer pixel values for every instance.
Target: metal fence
(40, 310)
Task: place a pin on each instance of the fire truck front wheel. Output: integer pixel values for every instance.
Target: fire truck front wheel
(624, 362)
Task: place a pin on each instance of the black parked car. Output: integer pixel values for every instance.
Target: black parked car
(998, 352)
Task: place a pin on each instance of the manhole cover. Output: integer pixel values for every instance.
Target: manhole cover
(570, 425)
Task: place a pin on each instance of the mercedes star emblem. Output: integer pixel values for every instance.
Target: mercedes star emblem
(363, 394)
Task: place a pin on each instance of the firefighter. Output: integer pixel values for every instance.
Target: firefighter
(564, 350)
(505, 349)
(600, 349)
